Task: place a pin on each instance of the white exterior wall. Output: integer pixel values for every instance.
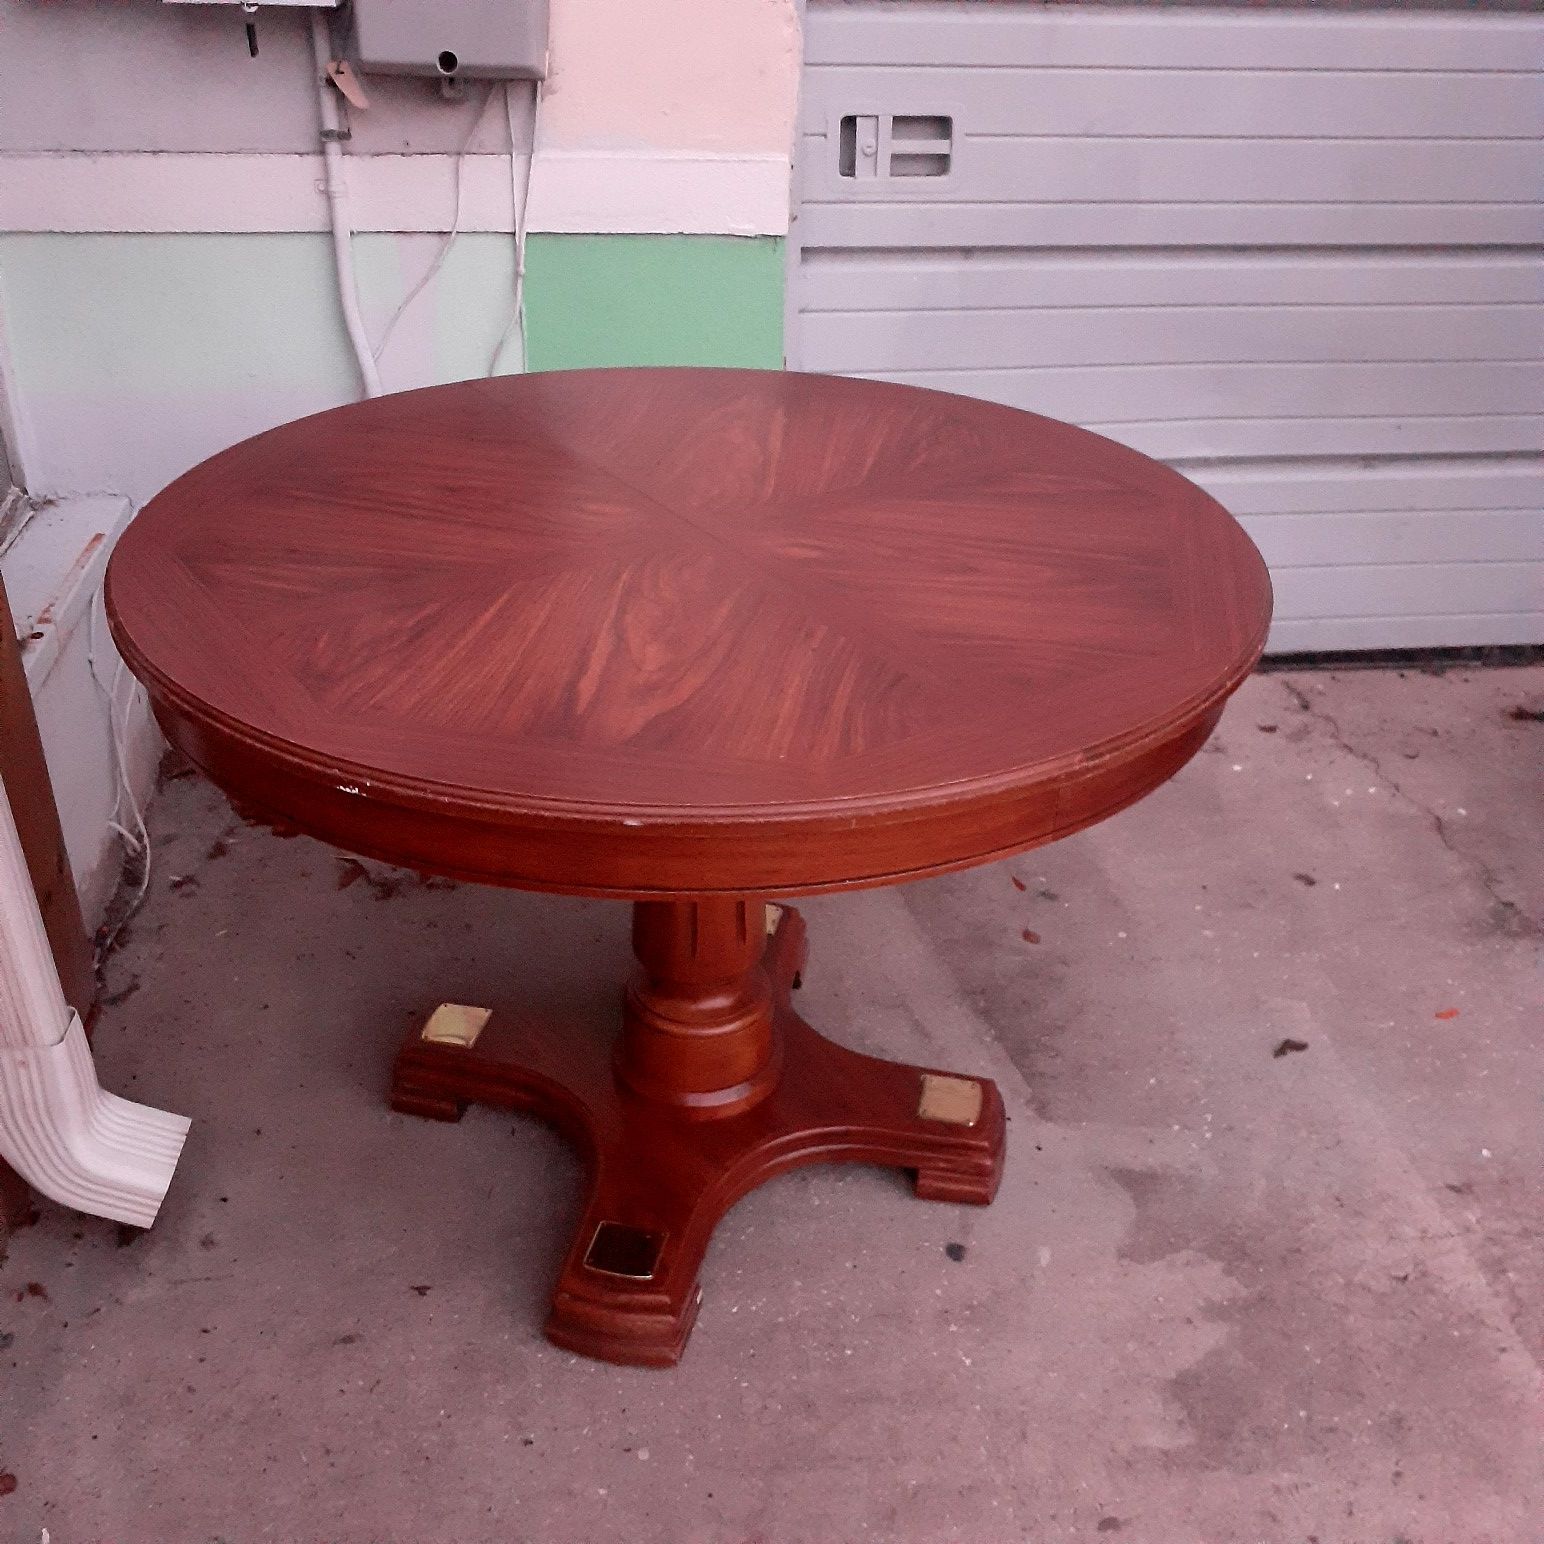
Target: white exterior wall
(1295, 254)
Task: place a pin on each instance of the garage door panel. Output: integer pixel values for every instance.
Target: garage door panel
(1515, 485)
(1188, 440)
(971, 279)
(863, 342)
(1391, 588)
(1111, 393)
(1011, 36)
(1439, 629)
(1185, 103)
(1381, 536)
(1102, 171)
(1256, 223)
(1295, 253)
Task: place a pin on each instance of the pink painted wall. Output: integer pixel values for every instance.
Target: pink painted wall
(673, 74)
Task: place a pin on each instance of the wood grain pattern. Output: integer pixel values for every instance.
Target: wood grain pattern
(672, 631)
(690, 637)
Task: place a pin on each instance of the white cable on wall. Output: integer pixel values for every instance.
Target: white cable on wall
(337, 207)
(450, 236)
(137, 839)
(520, 203)
(368, 355)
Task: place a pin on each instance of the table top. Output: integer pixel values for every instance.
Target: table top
(666, 630)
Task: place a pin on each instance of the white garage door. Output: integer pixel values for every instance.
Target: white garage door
(1295, 254)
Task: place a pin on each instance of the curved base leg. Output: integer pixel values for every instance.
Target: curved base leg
(661, 1176)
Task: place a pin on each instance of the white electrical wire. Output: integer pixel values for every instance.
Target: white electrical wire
(138, 840)
(124, 792)
(450, 236)
(520, 203)
(120, 732)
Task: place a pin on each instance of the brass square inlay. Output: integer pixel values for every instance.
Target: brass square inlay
(456, 1024)
(618, 1250)
(954, 1101)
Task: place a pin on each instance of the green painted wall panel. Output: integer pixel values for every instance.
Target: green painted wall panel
(138, 355)
(654, 300)
(210, 312)
(149, 313)
(452, 329)
(206, 312)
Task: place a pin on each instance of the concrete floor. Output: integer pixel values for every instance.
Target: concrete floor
(1225, 1296)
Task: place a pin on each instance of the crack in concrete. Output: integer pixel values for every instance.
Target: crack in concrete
(1512, 920)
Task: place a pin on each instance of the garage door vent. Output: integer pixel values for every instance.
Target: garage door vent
(906, 145)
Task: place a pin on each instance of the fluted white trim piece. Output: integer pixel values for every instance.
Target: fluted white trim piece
(602, 192)
(79, 1145)
(68, 1138)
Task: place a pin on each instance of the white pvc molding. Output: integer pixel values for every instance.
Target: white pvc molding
(59, 1129)
(602, 192)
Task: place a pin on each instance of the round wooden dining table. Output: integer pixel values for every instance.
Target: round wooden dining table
(700, 640)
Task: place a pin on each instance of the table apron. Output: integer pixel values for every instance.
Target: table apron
(775, 856)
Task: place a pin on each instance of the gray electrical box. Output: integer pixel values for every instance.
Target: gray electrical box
(483, 39)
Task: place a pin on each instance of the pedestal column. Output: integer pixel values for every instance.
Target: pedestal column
(697, 1024)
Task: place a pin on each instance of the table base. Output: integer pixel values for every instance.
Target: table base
(716, 1085)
